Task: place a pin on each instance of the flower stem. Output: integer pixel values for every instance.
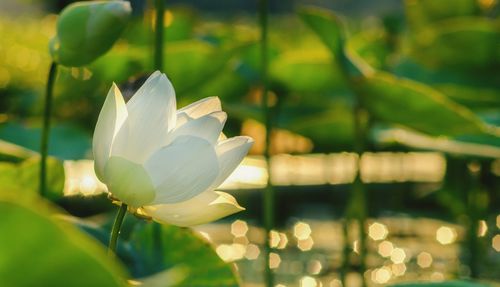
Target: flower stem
(44, 145)
(359, 195)
(158, 52)
(158, 65)
(115, 231)
(269, 191)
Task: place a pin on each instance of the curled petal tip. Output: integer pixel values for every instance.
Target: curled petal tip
(226, 198)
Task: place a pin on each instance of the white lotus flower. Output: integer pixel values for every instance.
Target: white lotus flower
(164, 162)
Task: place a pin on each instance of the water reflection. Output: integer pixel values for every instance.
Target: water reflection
(385, 248)
(308, 251)
(495, 242)
(446, 235)
(312, 169)
(397, 251)
(377, 231)
(424, 259)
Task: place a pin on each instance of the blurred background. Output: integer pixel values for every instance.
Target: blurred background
(429, 162)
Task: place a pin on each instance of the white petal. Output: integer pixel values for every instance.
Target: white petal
(151, 115)
(208, 127)
(182, 169)
(111, 118)
(202, 107)
(203, 208)
(230, 153)
(198, 109)
(128, 181)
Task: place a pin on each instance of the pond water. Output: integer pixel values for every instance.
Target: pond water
(409, 237)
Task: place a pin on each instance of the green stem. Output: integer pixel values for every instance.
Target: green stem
(473, 220)
(357, 207)
(158, 52)
(359, 190)
(157, 246)
(116, 228)
(346, 251)
(44, 146)
(269, 191)
(158, 65)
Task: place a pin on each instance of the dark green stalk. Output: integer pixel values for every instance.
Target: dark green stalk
(157, 245)
(158, 65)
(357, 207)
(346, 251)
(269, 191)
(473, 220)
(115, 231)
(47, 111)
(158, 52)
(359, 201)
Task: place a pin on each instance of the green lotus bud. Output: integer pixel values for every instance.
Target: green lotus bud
(86, 30)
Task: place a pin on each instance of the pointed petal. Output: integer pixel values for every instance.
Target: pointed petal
(208, 127)
(198, 109)
(203, 208)
(182, 169)
(230, 153)
(202, 107)
(111, 118)
(151, 115)
(128, 182)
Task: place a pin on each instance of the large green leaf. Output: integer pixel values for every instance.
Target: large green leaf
(489, 148)
(307, 71)
(328, 131)
(476, 90)
(23, 179)
(443, 284)
(36, 250)
(189, 64)
(423, 12)
(326, 25)
(329, 29)
(414, 105)
(371, 46)
(66, 141)
(13, 152)
(184, 253)
(459, 43)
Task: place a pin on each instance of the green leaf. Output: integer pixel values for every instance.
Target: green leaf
(321, 124)
(29, 176)
(66, 141)
(473, 97)
(477, 146)
(442, 284)
(328, 28)
(423, 12)
(189, 64)
(476, 90)
(23, 179)
(36, 250)
(191, 258)
(326, 25)
(13, 152)
(417, 106)
(459, 43)
(372, 47)
(307, 71)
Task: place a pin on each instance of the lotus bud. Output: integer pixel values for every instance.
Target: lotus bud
(86, 30)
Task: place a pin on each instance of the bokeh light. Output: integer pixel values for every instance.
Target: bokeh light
(446, 235)
(378, 231)
(302, 230)
(424, 259)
